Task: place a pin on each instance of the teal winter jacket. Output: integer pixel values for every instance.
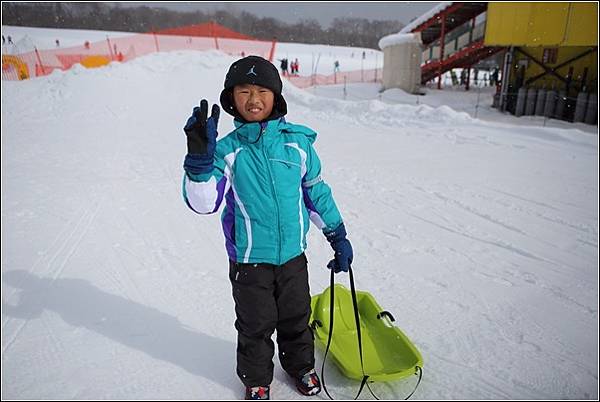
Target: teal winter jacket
(269, 176)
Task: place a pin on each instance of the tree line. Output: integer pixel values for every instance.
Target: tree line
(357, 32)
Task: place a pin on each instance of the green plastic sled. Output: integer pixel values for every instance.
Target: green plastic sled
(387, 353)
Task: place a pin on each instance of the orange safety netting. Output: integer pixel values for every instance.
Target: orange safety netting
(200, 37)
(95, 54)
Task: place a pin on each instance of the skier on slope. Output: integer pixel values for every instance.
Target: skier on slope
(269, 175)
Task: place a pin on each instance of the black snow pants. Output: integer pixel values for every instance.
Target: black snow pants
(268, 298)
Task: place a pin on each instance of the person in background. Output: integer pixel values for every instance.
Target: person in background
(284, 66)
(453, 77)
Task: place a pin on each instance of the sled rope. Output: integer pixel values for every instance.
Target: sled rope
(358, 334)
(357, 320)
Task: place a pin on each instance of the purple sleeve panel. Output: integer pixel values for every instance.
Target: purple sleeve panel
(312, 209)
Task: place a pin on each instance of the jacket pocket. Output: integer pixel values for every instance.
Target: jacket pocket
(287, 174)
(287, 163)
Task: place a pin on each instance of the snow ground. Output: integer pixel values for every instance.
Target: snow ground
(480, 236)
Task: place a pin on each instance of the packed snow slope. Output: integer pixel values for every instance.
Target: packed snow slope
(481, 238)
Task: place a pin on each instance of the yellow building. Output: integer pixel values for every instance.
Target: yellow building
(551, 45)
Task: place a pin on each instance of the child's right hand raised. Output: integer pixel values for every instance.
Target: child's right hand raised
(202, 132)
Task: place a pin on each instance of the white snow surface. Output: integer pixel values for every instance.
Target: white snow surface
(479, 235)
(398, 39)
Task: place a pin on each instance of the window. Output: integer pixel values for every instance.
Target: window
(550, 55)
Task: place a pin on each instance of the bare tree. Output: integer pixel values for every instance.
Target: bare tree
(358, 32)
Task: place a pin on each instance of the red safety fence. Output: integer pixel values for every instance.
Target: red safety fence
(200, 37)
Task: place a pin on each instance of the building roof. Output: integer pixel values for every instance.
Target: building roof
(419, 20)
(456, 14)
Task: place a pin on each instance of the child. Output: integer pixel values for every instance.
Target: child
(270, 177)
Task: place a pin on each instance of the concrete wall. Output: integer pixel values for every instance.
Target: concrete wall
(402, 67)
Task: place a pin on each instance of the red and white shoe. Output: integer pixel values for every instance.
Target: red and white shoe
(309, 383)
(257, 393)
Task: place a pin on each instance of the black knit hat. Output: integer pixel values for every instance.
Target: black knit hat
(253, 70)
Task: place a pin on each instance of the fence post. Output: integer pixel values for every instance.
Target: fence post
(213, 34)
(112, 57)
(345, 92)
(362, 71)
(477, 104)
(37, 54)
(316, 68)
(156, 41)
(272, 52)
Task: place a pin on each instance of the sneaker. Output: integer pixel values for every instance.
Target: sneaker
(257, 393)
(309, 383)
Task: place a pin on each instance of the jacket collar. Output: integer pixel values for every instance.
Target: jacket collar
(252, 131)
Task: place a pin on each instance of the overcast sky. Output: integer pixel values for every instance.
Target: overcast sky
(323, 12)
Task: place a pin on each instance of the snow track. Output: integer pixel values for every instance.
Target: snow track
(480, 237)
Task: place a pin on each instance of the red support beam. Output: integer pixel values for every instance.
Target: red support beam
(442, 46)
(438, 26)
(463, 58)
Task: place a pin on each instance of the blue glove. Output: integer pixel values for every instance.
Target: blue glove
(201, 139)
(342, 258)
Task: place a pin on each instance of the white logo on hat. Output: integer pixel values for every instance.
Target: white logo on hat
(251, 71)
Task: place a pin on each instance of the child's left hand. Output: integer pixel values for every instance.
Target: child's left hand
(343, 255)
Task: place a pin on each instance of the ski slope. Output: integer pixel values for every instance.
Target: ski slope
(479, 236)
